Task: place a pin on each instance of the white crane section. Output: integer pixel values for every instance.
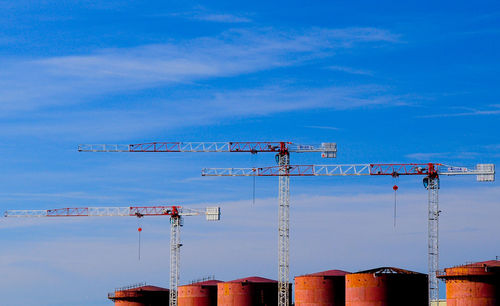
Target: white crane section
(281, 148)
(431, 171)
(484, 172)
(176, 213)
(211, 213)
(328, 149)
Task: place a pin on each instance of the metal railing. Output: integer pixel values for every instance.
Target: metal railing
(112, 295)
(203, 279)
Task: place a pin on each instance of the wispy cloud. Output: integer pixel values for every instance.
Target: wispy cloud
(202, 13)
(492, 147)
(202, 108)
(443, 155)
(426, 156)
(323, 127)
(64, 195)
(350, 70)
(226, 18)
(493, 110)
(33, 84)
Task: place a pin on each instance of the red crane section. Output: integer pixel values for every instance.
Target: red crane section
(404, 169)
(251, 147)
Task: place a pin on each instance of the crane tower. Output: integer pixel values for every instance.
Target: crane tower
(282, 150)
(430, 171)
(176, 213)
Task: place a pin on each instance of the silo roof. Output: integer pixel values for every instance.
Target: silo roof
(487, 263)
(328, 273)
(253, 279)
(481, 268)
(388, 270)
(147, 288)
(212, 282)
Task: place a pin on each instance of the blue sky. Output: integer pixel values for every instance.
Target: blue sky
(404, 82)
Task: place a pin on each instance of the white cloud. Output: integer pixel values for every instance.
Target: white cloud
(494, 110)
(323, 127)
(426, 156)
(33, 84)
(203, 14)
(446, 155)
(202, 108)
(493, 147)
(225, 18)
(350, 70)
(66, 195)
(327, 232)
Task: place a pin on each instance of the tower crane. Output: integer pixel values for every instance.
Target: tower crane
(176, 214)
(282, 150)
(430, 171)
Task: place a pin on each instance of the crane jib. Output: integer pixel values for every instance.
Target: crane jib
(328, 150)
(484, 172)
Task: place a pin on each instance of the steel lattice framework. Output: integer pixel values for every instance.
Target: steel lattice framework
(353, 170)
(175, 251)
(281, 148)
(284, 231)
(431, 171)
(433, 238)
(176, 213)
(237, 146)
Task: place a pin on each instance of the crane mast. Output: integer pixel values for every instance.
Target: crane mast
(433, 235)
(431, 171)
(284, 230)
(175, 254)
(176, 213)
(282, 150)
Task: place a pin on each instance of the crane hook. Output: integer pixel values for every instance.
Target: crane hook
(395, 188)
(139, 230)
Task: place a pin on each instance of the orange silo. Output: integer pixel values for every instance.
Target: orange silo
(141, 295)
(325, 288)
(386, 286)
(198, 294)
(250, 291)
(473, 284)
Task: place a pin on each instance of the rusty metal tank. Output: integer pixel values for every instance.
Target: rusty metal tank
(198, 294)
(325, 288)
(473, 284)
(140, 295)
(386, 286)
(250, 291)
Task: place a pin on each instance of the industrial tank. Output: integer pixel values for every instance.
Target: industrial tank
(325, 288)
(198, 294)
(141, 295)
(473, 284)
(250, 291)
(386, 286)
